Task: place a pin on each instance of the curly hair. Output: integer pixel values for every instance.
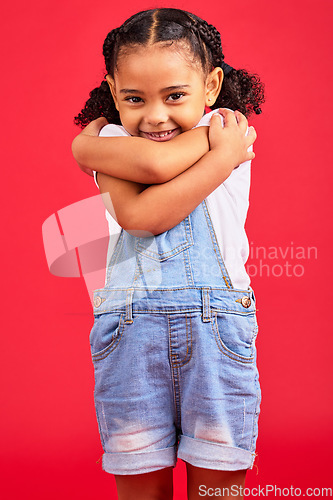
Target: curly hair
(240, 91)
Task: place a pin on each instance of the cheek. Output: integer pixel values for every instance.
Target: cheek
(194, 115)
(129, 120)
(126, 116)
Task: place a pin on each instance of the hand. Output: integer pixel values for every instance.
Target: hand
(230, 138)
(94, 127)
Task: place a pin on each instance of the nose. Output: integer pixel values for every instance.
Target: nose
(156, 114)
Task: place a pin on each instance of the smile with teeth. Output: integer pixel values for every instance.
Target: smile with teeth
(159, 134)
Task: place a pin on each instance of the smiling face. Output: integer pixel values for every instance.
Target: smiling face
(159, 93)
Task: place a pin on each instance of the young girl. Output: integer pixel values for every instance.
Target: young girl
(173, 343)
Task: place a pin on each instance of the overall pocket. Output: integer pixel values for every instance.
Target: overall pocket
(106, 334)
(235, 335)
(168, 244)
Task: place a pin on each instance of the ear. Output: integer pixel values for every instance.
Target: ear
(213, 85)
(112, 86)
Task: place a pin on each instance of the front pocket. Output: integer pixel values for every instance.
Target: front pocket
(106, 334)
(235, 335)
(168, 244)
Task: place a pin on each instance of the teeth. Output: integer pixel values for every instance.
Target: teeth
(161, 134)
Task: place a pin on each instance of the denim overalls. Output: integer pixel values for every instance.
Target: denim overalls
(173, 347)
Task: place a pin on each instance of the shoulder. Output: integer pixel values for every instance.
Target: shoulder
(112, 130)
(205, 120)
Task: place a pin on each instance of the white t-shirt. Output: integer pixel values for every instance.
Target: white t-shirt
(227, 206)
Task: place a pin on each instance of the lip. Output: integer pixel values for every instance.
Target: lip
(170, 134)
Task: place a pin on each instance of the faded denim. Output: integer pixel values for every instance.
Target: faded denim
(173, 348)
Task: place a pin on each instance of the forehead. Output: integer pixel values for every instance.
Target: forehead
(160, 63)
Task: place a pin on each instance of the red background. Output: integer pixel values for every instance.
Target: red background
(51, 60)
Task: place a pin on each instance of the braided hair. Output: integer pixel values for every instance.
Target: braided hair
(241, 90)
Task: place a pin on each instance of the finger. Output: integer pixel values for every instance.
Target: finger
(241, 120)
(250, 156)
(95, 126)
(216, 120)
(101, 121)
(251, 134)
(229, 117)
(240, 117)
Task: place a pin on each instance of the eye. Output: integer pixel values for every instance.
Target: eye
(176, 96)
(133, 99)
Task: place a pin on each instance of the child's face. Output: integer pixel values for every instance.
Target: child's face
(159, 94)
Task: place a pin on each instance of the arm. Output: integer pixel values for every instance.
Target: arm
(138, 159)
(157, 208)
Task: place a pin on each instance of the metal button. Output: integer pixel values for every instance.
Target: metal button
(97, 301)
(246, 301)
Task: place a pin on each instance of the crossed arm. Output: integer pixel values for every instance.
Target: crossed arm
(152, 188)
(135, 158)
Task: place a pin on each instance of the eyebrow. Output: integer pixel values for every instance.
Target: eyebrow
(166, 89)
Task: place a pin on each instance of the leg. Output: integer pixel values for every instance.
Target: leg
(213, 481)
(155, 485)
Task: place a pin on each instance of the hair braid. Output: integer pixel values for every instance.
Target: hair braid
(212, 40)
(100, 102)
(108, 48)
(240, 89)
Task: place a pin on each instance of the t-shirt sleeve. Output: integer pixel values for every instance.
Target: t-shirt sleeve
(111, 130)
(205, 120)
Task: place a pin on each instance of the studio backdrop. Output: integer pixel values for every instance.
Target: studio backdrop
(51, 59)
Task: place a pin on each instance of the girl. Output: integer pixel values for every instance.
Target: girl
(173, 343)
